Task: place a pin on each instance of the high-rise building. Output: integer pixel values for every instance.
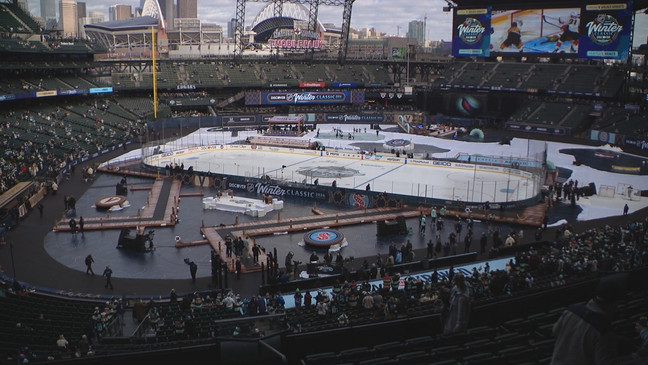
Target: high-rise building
(168, 11)
(231, 28)
(81, 9)
(120, 12)
(68, 19)
(416, 30)
(94, 18)
(48, 10)
(187, 8)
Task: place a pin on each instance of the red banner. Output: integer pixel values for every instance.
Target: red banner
(312, 84)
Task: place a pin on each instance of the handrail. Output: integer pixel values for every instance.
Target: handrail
(284, 359)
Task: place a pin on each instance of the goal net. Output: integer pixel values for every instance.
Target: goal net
(626, 191)
(606, 191)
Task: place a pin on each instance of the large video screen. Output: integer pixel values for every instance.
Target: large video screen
(471, 32)
(592, 31)
(536, 31)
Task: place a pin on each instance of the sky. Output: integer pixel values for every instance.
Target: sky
(365, 14)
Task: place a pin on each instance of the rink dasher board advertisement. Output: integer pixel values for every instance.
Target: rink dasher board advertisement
(595, 31)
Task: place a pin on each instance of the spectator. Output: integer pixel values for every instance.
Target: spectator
(459, 308)
(584, 333)
(62, 343)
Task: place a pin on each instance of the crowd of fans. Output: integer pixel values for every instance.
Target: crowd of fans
(569, 258)
(41, 143)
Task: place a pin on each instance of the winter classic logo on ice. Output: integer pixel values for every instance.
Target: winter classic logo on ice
(604, 29)
(471, 31)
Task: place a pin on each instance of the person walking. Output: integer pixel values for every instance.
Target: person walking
(81, 223)
(483, 242)
(422, 229)
(255, 253)
(108, 274)
(40, 209)
(430, 249)
(238, 268)
(459, 308)
(193, 268)
(625, 209)
(88, 261)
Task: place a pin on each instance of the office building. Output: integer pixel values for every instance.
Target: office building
(120, 12)
(188, 9)
(231, 28)
(68, 19)
(168, 11)
(48, 9)
(81, 10)
(416, 30)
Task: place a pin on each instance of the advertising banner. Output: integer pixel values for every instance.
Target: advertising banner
(238, 119)
(606, 31)
(557, 131)
(634, 142)
(471, 33)
(307, 97)
(602, 136)
(311, 84)
(345, 84)
(355, 117)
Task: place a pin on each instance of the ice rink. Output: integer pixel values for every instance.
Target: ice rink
(348, 169)
(408, 179)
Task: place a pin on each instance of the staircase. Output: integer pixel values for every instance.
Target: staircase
(231, 100)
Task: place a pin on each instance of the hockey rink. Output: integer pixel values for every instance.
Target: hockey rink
(348, 169)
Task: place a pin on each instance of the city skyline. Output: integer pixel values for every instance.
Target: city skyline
(401, 13)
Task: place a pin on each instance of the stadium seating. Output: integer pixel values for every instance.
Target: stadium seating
(508, 75)
(474, 73)
(544, 76)
(581, 78)
(313, 73)
(613, 79)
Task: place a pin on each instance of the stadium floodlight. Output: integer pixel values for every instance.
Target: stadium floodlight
(450, 5)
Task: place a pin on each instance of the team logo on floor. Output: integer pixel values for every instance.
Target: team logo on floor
(398, 143)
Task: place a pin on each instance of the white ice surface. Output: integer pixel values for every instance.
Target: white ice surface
(593, 207)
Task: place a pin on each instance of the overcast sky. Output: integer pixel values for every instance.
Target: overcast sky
(388, 16)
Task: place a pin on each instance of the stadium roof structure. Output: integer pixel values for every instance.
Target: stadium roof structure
(127, 24)
(510, 4)
(266, 21)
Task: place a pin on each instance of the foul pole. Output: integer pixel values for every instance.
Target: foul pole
(155, 101)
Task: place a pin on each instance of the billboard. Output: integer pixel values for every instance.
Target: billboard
(307, 97)
(606, 32)
(471, 33)
(592, 31)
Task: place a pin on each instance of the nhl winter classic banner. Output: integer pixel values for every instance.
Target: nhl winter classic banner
(606, 31)
(471, 33)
